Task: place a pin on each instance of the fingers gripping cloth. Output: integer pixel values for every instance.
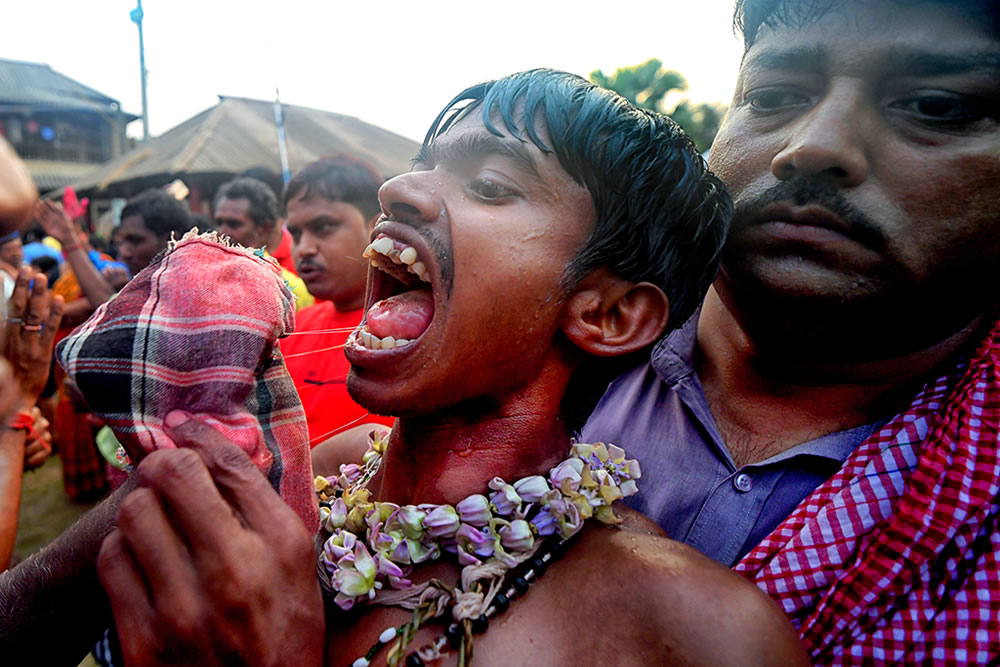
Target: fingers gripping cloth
(196, 331)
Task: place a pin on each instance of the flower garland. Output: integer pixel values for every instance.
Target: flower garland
(368, 545)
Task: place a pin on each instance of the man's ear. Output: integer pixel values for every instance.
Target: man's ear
(608, 316)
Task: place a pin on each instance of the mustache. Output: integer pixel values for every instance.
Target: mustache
(438, 248)
(802, 191)
(311, 264)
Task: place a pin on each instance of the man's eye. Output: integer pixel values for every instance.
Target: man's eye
(488, 190)
(941, 109)
(770, 100)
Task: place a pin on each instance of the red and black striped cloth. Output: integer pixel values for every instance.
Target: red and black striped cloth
(896, 558)
(196, 330)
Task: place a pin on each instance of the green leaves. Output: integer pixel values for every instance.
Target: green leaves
(647, 85)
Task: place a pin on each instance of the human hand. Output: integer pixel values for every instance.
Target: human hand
(208, 565)
(34, 316)
(116, 276)
(38, 446)
(56, 222)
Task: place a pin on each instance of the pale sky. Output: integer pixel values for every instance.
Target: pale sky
(392, 63)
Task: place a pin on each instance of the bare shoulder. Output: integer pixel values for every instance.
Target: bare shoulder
(343, 448)
(692, 609)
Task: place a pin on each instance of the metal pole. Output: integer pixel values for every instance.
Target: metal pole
(279, 124)
(136, 16)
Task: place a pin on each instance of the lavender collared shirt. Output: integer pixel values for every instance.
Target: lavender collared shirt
(690, 485)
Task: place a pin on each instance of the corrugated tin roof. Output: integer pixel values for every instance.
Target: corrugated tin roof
(54, 175)
(37, 85)
(239, 133)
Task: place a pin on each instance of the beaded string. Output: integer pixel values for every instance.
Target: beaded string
(459, 636)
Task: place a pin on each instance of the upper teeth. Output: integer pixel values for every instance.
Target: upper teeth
(407, 255)
(373, 342)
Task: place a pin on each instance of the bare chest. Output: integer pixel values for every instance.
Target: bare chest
(532, 630)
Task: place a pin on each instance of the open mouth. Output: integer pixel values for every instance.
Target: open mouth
(401, 303)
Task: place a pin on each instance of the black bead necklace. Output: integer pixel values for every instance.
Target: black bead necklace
(459, 635)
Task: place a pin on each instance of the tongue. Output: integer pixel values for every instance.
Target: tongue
(405, 315)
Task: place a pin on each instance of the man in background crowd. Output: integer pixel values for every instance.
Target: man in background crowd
(330, 207)
(246, 210)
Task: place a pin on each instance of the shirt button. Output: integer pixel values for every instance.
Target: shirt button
(743, 482)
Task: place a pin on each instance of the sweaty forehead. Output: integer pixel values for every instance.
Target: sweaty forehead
(468, 141)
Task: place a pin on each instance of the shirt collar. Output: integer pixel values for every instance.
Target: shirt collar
(673, 357)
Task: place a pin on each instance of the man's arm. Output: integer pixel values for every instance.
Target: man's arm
(17, 190)
(11, 464)
(57, 224)
(52, 606)
(228, 578)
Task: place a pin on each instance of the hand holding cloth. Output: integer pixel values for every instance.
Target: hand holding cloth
(196, 330)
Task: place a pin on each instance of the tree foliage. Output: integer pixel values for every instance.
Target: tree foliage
(648, 84)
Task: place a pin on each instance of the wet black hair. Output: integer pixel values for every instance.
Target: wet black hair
(338, 178)
(160, 213)
(263, 205)
(662, 217)
(752, 15)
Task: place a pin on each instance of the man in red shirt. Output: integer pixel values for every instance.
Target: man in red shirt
(330, 207)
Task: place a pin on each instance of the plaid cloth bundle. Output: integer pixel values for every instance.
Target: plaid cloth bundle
(896, 558)
(196, 330)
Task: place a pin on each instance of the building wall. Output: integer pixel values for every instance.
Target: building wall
(66, 136)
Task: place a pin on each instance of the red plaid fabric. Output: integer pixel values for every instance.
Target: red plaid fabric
(895, 558)
(197, 330)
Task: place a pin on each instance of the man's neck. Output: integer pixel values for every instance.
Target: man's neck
(765, 401)
(273, 241)
(448, 456)
(348, 304)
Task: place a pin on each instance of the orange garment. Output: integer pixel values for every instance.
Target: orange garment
(67, 285)
(319, 369)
